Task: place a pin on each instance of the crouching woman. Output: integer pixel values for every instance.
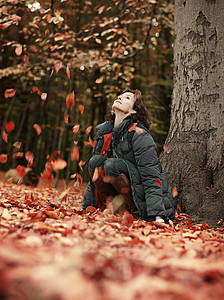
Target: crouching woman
(125, 162)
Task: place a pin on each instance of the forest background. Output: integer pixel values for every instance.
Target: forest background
(62, 64)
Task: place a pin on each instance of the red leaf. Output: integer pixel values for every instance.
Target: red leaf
(166, 149)
(81, 108)
(9, 93)
(37, 128)
(18, 155)
(70, 99)
(5, 136)
(57, 154)
(75, 128)
(9, 126)
(43, 96)
(88, 129)
(29, 157)
(59, 164)
(91, 209)
(75, 152)
(47, 32)
(58, 66)
(3, 158)
(35, 89)
(21, 170)
(68, 72)
(132, 127)
(158, 181)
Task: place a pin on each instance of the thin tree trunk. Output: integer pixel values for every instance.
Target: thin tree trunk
(196, 137)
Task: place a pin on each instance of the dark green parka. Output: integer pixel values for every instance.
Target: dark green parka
(135, 146)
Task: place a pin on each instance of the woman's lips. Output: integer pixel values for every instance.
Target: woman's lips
(118, 101)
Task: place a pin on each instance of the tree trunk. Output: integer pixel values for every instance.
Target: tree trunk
(194, 159)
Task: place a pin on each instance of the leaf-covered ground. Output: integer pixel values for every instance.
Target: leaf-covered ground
(50, 249)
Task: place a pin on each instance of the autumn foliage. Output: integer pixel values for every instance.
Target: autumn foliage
(51, 247)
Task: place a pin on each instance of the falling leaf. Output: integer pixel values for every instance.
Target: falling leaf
(81, 108)
(66, 117)
(70, 99)
(98, 41)
(47, 32)
(29, 157)
(99, 80)
(75, 152)
(9, 126)
(26, 60)
(81, 163)
(68, 72)
(178, 207)
(19, 50)
(37, 128)
(43, 96)
(79, 178)
(9, 93)
(88, 129)
(57, 154)
(158, 182)
(33, 25)
(58, 66)
(75, 128)
(59, 164)
(5, 136)
(18, 155)
(165, 148)
(174, 192)
(21, 170)
(3, 158)
(35, 89)
(132, 127)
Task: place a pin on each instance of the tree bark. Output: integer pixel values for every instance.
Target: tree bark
(194, 159)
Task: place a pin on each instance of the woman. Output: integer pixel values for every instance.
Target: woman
(125, 156)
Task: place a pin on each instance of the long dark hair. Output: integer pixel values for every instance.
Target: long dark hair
(141, 115)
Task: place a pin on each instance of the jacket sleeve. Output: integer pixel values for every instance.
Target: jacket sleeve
(149, 167)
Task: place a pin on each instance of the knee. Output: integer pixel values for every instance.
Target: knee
(96, 161)
(110, 168)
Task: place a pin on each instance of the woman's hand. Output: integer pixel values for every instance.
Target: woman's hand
(159, 219)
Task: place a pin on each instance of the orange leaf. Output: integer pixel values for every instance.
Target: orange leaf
(81, 163)
(59, 164)
(37, 128)
(178, 207)
(70, 99)
(9, 93)
(9, 126)
(5, 136)
(19, 50)
(29, 157)
(158, 182)
(132, 127)
(3, 158)
(21, 170)
(79, 177)
(68, 72)
(81, 108)
(91, 209)
(174, 192)
(58, 66)
(75, 152)
(66, 118)
(43, 96)
(88, 129)
(35, 89)
(75, 128)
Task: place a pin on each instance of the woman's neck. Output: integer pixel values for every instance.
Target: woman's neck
(119, 117)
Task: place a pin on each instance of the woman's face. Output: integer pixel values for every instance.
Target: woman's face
(124, 102)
